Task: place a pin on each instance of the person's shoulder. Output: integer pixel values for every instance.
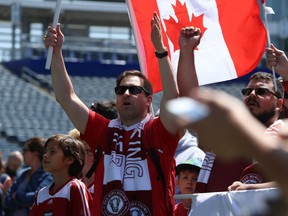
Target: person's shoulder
(24, 170)
(3, 177)
(40, 172)
(76, 184)
(274, 128)
(154, 121)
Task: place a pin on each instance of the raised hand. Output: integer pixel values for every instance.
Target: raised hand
(54, 38)
(189, 37)
(156, 34)
(278, 59)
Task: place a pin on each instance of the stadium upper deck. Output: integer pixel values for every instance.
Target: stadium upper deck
(95, 30)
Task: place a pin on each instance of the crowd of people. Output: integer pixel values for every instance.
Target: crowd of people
(121, 160)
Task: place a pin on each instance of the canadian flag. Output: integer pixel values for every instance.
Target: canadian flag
(233, 41)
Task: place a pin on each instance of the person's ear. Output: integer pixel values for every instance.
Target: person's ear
(69, 160)
(279, 104)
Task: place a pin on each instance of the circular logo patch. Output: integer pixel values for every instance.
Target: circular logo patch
(139, 209)
(115, 203)
(251, 178)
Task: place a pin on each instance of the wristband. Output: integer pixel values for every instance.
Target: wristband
(161, 55)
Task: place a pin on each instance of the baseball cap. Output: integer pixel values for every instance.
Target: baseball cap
(193, 164)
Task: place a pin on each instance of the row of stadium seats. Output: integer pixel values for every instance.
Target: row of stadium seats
(27, 111)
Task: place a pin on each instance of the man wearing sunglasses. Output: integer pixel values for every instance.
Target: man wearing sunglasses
(264, 102)
(271, 111)
(260, 97)
(253, 176)
(135, 172)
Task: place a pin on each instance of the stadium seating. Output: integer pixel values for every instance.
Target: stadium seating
(28, 110)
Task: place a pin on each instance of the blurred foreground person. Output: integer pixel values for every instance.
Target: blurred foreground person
(233, 138)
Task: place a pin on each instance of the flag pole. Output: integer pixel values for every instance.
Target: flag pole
(55, 22)
(270, 11)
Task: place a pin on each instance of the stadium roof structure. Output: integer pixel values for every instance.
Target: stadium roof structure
(76, 12)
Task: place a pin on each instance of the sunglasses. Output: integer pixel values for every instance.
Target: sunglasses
(134, 90)
(258, 91)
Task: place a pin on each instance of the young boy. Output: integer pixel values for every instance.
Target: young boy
(89, 159)
(64, 157)
(187, 174)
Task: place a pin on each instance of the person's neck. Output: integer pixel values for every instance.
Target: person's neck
(130, 122)
(59, 180)
(271, 121)
(35, 166)
(187, 203)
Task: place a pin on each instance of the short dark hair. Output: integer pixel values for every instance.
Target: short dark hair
(106, 108)
(71, 147)
(183, 167)
(36, 144)
(147, 84)
(269, 76)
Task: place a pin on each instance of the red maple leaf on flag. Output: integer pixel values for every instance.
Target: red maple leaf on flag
(173, 27)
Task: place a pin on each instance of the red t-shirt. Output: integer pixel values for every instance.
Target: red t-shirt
(99, 133)
(73, 198)
(180, 210)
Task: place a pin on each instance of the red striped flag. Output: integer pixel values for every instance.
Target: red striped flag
(233, 42)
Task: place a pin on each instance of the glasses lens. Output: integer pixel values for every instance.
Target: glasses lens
(121, 89)
(134, 90)
(261, 91)
(246, 91)
(258, 91)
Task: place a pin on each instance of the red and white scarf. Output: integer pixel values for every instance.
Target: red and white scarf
(126, 183)
(205, 171)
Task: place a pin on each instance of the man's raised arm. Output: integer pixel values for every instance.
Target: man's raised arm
(170, 89)
(76, 110)
(186, 73)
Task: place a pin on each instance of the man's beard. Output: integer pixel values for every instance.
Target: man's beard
(265, 117)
